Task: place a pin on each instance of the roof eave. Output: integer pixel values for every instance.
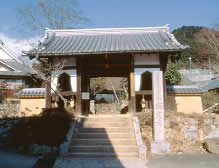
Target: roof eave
(104, 52)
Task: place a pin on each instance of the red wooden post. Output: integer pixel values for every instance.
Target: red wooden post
(132, 99)
(78, 94)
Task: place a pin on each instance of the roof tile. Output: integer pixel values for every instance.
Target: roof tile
(93, 41)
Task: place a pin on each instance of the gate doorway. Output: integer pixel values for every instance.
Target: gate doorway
(108, 95)
(112, 69)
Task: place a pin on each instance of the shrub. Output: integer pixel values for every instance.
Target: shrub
(9, 110)
(210, 98)
(49, 128)
(172, 76)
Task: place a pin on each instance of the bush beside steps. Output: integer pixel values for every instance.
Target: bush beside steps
(42, 134)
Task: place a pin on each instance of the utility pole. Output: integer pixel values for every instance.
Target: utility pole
(190, 67)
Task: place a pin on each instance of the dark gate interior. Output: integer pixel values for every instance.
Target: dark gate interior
(109, 65)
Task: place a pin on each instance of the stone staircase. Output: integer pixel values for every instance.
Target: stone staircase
(104, 137)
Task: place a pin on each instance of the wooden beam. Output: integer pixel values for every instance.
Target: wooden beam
(132, 100)
(85, 88)
(78, 94)
(68, 93)
(144, 92)
(64, 93)
(132, 84)
(147, 66)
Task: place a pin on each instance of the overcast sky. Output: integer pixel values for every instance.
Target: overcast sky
(118, 13)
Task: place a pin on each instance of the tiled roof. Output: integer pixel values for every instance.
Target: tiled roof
(210, 85)
(19, 69)
(18, 66)
(114, 40)
(186, 89)
(13, 73)
(31, 92)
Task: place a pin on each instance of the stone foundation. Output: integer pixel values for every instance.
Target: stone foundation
(184, 132)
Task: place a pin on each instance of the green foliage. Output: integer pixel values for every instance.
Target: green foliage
(185, 35)
(172, 76)
(50, 128)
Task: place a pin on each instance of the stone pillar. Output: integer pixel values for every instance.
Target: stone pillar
(158, 145)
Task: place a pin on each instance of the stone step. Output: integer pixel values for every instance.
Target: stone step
(110, 116)
(106, 107)
(104, 125)
(105, 104)
(108, 113)
(105, 136)
(107, 130)
(103, 109)
(103, 148)
(105, 119)
(103, 142)
(103, 155)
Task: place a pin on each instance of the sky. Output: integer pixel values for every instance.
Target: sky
(117, 13)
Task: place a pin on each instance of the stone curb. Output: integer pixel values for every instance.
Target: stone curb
(63, 148)
(141, 146)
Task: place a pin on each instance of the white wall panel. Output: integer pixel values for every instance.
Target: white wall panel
(146, 59)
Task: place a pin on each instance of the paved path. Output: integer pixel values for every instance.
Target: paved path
(98, 163)
(15, 160)
(194, 160)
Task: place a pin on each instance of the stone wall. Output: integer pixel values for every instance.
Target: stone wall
(9, 110)
(185, 103)
(104, 108)
(184, 132)
(31, 106)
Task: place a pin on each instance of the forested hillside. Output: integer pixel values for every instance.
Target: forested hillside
(204, 45)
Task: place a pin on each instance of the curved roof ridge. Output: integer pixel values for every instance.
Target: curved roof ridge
(164, 41)
(108, 29)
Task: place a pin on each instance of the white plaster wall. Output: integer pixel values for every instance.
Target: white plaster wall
(54, 83)
(137, 82)
(74, 83)
(70, 61)
(146, 59)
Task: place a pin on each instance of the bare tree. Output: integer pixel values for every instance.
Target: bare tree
(97, 85)
(54, 14)
(209, 46)
(45, 71)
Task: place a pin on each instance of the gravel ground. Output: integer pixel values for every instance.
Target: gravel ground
(194, 160)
